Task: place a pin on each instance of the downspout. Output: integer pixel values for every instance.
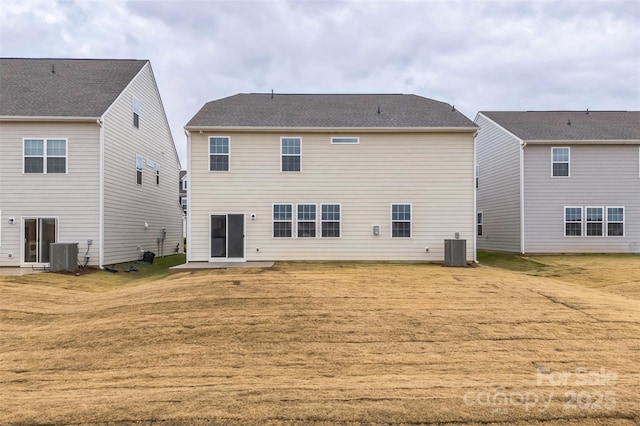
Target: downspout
(474, 222)
(522, 145)
(189, 182)
(101, 212)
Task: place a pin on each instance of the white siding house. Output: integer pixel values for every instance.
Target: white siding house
(73, 134)
(329, 177)
(559, 181)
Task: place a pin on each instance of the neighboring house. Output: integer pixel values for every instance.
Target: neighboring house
(182, 188)
(329, 177)
(558, 181)
(86, 156)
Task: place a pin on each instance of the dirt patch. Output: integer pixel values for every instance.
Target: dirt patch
(322, 344)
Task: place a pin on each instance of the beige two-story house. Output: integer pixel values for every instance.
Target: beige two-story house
(329, 177)
(87, 157)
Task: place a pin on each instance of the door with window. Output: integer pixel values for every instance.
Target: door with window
(38, 234)
(227, 237)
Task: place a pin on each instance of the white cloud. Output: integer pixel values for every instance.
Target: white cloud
(479, 55)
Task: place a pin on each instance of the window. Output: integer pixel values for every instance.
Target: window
(138, 170)
(157, 174)
(291, 153)
(183, 203)
(615, 221)
(477, 176)
(560, 161)
(45, 156)
(282, 220)
(330, 220)
(218, 154)
(572, 221)
(184, 184)
(594, 221)
(136, 113)
(345, 140)
(400, 220)
(479, 220)
(306, 220)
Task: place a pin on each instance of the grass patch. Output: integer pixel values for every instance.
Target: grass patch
(509, 261)
(101, 280)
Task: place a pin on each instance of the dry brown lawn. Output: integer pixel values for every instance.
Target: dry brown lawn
(326, 344)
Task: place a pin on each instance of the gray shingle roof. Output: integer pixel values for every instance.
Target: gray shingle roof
(77, 88)
(328, 111)
(554, 125)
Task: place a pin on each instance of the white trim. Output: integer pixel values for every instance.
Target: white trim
(189, 210)
(306, 221)
(10, 118)
(135, 100)
(479, 214)
(290, 155)
(339, 221)
(357, 140)
(623, 221)
(586, 221)
(333, 129)
(228, 153)
(585, 142)
(101, 212)
(273, 237)
(561, 162)
(391, 220)
(141, 169)
(564, 221)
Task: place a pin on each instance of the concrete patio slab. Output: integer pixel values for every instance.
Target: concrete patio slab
(200, 266)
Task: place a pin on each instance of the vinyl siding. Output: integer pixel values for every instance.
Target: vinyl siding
(433, 172)
(599, 176)
(127, 206)
(498, 195)
(73, 197)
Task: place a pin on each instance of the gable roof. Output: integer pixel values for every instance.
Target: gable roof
(63, 87)
(264, 110)
(569, 125)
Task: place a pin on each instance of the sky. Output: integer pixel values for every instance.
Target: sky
(477, 55)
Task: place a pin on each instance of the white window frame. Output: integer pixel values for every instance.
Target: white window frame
(339, 221)
(45, 155)
(561, 162)
(184, 184)
(615, 221)
(135, 107)
(479, 224)
(587, 221)
(477, 175)
(157, 174)
(282, 154)
(228, 153)
(401, 221)
(314, 221)
(183, 203)
(273, 220)
(564, 217)
(139, 169)
(345, 140)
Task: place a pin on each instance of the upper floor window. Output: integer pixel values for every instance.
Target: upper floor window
(183, 203)
(345, 140)
(560, 161)
(184, 184)
(479, 223)
(157, 174)
(401, 220)
(45, 156)
(138, 169)
(219, 153)
(282, 220)
(330, 220)
(572, 221)
(306, 220)
(615, 221)
(136, 113)
(291, 152)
